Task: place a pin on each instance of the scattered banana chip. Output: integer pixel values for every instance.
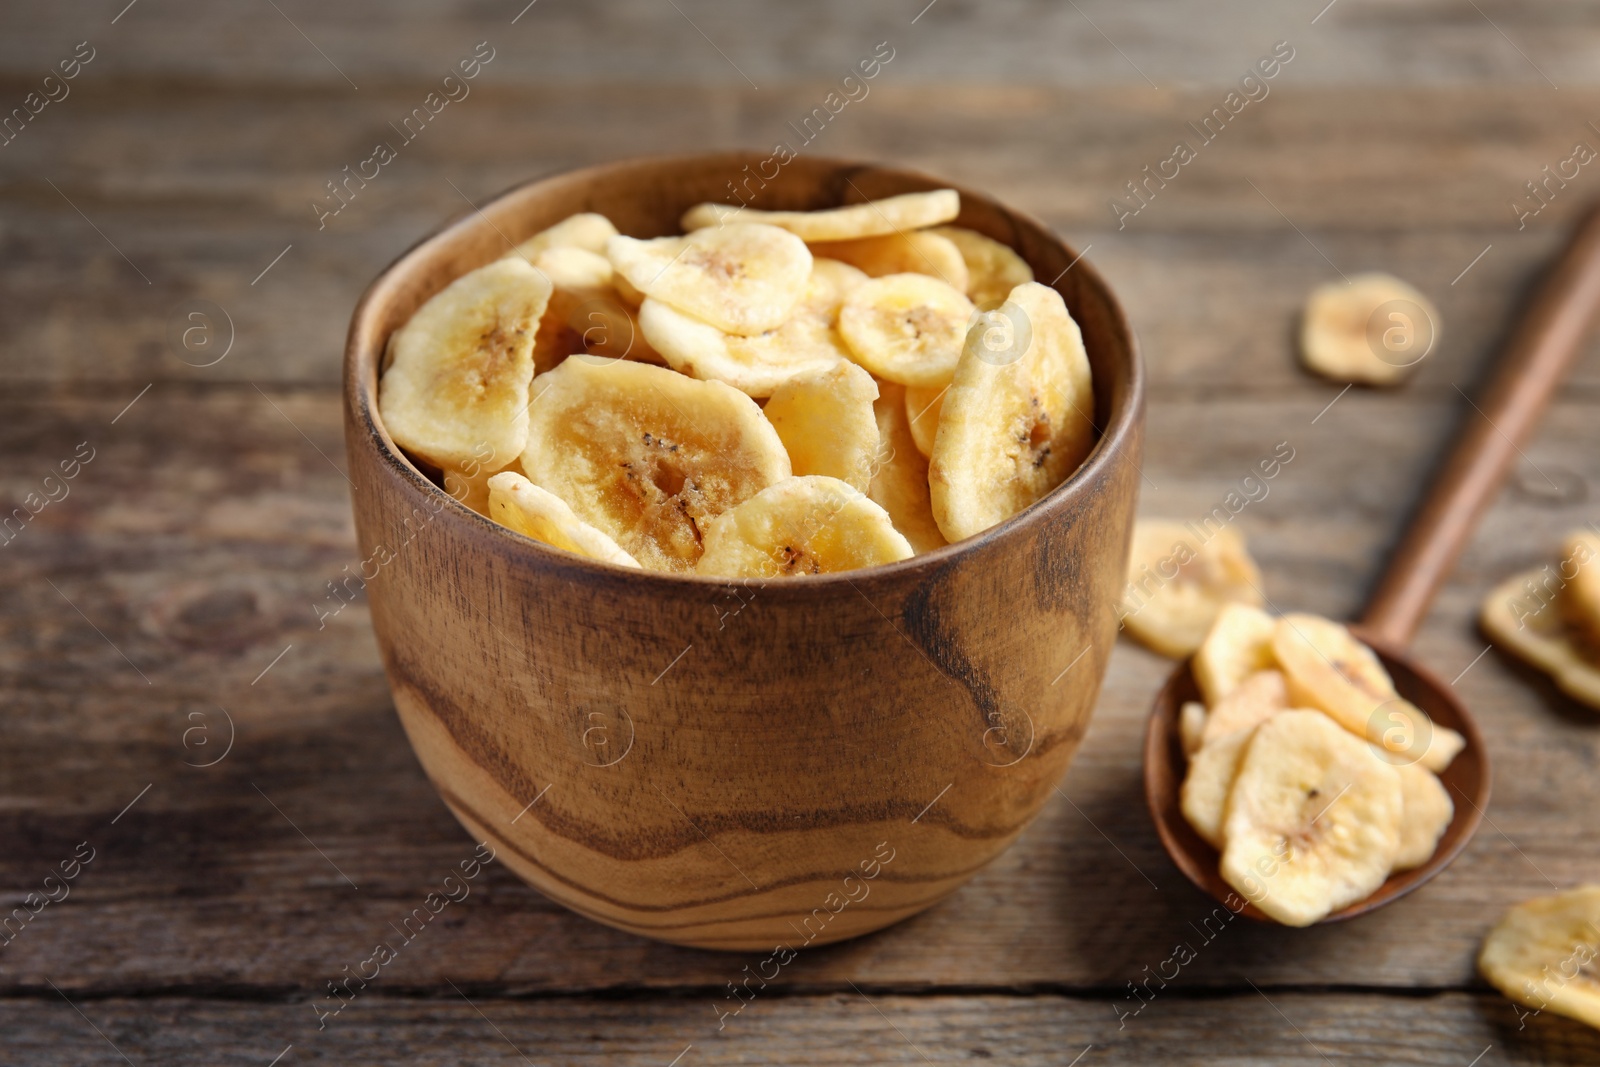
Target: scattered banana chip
(648, 456)
(825, 421)
(1580, 600)
(459, 378)
(805, 344)
(1212, 771)
(587, 231)
(922, 408)
(906, 328)
(1017, 420)
(1191, 726)
(1542, 954)
(1179, 581)
(908, 211)
(740, 278)
(1313, 819)
(902, 253)
(993, 269)
(1329, 669)
(1238, 645)
(900, 476)
(1250, 703)
(1373, 329)
(517, 503)
(1539, 636)
(1425, 811)
(809, 525)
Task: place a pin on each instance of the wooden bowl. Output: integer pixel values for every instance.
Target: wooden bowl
(738, 764)
(1466, 780)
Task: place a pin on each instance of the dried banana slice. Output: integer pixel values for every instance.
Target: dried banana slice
(993, 269)
(458, 382)
(578, 279)
(646, 455)
(1016, 421)
(740, 278)
(1191, 726)
(900, 476)
(894, 214)
(1180, 578)
(1250, 703)
(1329, 669)
(1313, 820)
(1373, 328)
(922, 408)
(810, 525)
(470, 486)
(1542, 954)
(902, 253)
(1521, 617)
(825, 421)
(1580, 600)
(1238, 645)
(587, 231)
(1425, 812)
(906, 328)
(806, 343)
(1203, 799)
(518, 504)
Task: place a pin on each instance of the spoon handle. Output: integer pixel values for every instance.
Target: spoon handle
(1544, 345)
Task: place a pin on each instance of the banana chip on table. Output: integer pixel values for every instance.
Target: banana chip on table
(1329, 669)
(906, 328)
(1373, 328)
(518, 504)
(648, 456)
(458, 382)
(1019, 416)
(1580, 600)
(900, 476)
(1540, 635)
(1250, 703)
(1313, 819)
(805, 343)
(1179, 583)
(1542, 953)
(993, 269)
(809, 525)
(586, 231)
(920, 252)
(826, 423)
(922, 409)
(1203, 799)
(894, 214)
(1238, 645)
(740, 278)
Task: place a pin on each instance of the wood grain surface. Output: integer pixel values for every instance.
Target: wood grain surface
(199, 539)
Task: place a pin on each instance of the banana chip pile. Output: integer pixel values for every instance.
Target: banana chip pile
(1308, 772)
(1550, 618)
(772, 393)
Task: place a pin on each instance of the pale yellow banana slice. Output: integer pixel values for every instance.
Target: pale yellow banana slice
(1238, 645)
(578, 279)
(993, 269)
(1313, 819)
(825, 420)
(906, 328)
(1522, 616)
(587, 231)
(1203, 799)
(1580, 600)
(922, 408)
(1542, 954)
(1191, 726)
(810, 525)
(894, 214)
(902, 253)
(740, 278)
(900, 477)
(1250, 703)
(1180, 577)
(805, 343)
(1373, 328)
(1329, 669)
(1017, 420)
(646, 455)
(458, 381)
(518, 504)
(1425, 812)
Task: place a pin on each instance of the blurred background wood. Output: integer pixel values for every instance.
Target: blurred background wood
(199, 541)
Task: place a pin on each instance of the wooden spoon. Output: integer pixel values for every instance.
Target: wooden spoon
(1544, 345)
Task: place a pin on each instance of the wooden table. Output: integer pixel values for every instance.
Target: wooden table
(178, 576)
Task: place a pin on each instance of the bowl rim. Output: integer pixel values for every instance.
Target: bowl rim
(360, 376)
